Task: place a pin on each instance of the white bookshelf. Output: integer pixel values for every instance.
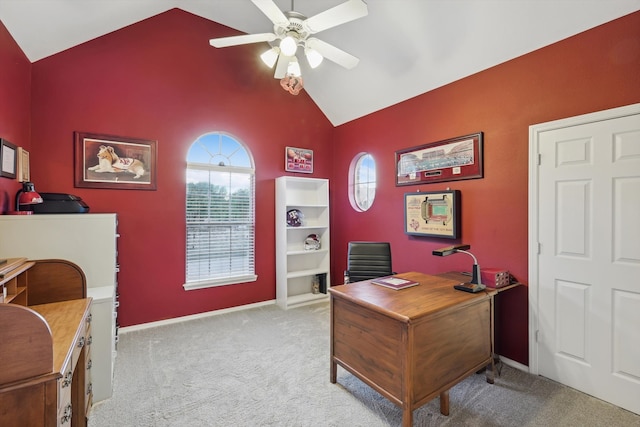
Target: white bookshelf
(295, 266)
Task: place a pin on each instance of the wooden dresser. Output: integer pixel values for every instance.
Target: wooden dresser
(45, 349)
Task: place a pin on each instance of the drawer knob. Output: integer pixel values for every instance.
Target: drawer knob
(81, 342)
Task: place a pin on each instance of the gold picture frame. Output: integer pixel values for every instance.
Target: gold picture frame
(24, 169)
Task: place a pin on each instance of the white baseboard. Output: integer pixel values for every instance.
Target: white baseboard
(142, 326)
(514, 364)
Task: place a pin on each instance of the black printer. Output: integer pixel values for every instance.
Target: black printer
(53, 203)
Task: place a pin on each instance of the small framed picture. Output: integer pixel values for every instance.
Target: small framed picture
(432, 214)
(298, 160)
(24, 172)
(8, 155)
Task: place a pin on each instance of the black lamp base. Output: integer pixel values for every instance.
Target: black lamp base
(476, 282)
(470, 287)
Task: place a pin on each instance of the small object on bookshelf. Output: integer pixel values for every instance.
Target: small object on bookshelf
(294, 218)
(312, 243)
(322, 282)
(394, 282)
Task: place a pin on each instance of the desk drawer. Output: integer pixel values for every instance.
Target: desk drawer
(65, 409)
(88, 364)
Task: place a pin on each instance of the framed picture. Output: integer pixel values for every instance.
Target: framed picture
(24, 172)
(7, 159)
(449, 160)
(298, 160)
(105, 161)
(432, 214)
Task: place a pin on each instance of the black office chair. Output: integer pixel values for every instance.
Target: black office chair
(368, 260)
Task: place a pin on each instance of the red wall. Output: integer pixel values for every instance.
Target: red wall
(160, 79)
(15, 98)
(592, 71)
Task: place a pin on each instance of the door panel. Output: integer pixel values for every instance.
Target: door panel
(588, 266)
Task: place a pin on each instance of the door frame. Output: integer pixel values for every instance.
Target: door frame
(534, 160)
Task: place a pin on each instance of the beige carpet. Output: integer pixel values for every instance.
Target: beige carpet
(268, 367)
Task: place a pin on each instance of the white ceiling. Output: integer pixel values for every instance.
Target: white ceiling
(406, 47)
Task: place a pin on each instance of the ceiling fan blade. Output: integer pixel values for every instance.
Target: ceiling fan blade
(332, 53)
(272, 11)
(281, 66)
(245, 39)
(345, 12)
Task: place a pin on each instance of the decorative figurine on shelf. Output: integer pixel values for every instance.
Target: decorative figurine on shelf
(294, 218)
(312, 242)
(315, 285)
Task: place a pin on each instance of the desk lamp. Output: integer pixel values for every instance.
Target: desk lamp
(475, 285)
(27, 196)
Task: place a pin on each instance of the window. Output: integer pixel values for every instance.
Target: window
(362, 182)
(220, 212)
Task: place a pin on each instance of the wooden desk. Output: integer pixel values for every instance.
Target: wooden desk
(45, 355)
(413, 344)
(46, 360)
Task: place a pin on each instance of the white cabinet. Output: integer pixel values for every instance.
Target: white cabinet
(88, 240)
(296, 267)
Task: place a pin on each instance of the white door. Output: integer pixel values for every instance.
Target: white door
(585, 254)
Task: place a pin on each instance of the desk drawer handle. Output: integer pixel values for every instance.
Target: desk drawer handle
(89, 318)
(89, 389)
(81, 342)
(66, 382)
(90, 340)
(89, 364)
(66, 417)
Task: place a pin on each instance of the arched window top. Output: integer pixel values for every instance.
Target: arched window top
(219, 149)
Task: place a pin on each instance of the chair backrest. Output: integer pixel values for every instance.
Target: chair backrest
(368, 260)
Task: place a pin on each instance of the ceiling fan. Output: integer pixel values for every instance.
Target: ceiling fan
(293, 29)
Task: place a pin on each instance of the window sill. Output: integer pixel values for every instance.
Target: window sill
(219, 282)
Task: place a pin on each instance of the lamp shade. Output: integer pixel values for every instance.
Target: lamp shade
(271, 56)
(288, 46)
(27, 196)
(30, 198)
(313, 57)
(293, 69)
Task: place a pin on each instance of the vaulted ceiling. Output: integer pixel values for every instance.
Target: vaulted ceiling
(405, 47)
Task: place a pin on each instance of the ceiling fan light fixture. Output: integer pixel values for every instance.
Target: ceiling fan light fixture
(293, 69)
(314, 58)
(288, 46)
(270, 56)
